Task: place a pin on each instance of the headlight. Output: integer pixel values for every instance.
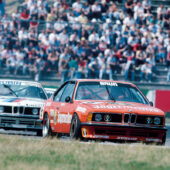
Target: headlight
(1, 109)
(98, 117)
(107, 118)
(149, 120)
(34, 111)
(157, 121)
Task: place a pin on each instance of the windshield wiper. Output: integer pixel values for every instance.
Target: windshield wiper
(110, 94)
(6, 86)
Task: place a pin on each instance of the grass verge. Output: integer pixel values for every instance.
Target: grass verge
(17, 152)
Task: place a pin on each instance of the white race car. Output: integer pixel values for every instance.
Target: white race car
(20, 105)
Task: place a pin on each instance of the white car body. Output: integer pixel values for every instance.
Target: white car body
(18, 110)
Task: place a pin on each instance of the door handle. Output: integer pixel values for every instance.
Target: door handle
(57, 107)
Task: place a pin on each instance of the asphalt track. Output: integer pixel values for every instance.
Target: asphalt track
(33, 135)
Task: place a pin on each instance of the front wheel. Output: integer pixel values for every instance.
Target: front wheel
(46, 131)
(75, 128)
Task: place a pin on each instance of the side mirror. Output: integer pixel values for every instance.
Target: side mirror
(68, 99)
(151, 103)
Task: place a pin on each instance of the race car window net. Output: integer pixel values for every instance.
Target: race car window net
(68, 92)
(22, 91)
(64, 91)
(100, 91)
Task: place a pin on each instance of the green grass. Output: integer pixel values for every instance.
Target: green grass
(17, 152)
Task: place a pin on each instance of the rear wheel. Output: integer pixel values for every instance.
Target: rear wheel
(75, 128)
(46, 126)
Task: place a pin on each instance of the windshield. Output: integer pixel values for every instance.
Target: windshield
(19, 90)
(109, 91)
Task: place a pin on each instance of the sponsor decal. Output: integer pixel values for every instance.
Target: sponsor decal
(126, 107)
(103, 83)
(64, 118)
(101, 136)
(51, 112)
(10, 82)
(81, 109)
(152, 140)
(18, 83)
(55, 117)
(52, 121)
(126, 138)
(62, 104)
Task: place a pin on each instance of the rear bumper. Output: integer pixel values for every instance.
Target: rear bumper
(20, 122)
(123, 132)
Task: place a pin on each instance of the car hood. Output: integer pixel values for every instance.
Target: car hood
(25, 102)
(120, 107)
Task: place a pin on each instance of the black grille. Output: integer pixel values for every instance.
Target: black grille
(148, 120)
(19, 110)
(129, 118)
(8, 121)
(15, 109)
(115, 117)
(26, 122)
(7, 109)
(133, 118)
(126, 118)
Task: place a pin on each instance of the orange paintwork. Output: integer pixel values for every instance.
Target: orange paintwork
(60, 114)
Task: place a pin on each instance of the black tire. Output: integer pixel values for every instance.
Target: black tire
(46, 131)
(75, 128)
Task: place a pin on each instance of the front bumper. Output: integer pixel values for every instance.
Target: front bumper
(27, 122)
(123, 132)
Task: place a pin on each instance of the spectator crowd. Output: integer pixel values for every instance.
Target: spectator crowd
(86, 39)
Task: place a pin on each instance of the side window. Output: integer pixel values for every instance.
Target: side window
(58, 95)
(68, 91)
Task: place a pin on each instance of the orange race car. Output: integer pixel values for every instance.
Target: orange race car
(103, 109)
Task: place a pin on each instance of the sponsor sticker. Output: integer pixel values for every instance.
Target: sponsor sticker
(51, 112)
(152, 140)
(10, 82)
(101, 136)
(18, 83)
(126, 107)
(126, 138)
(103, 83)
(64, 118)
(55, 117)
(81, 109)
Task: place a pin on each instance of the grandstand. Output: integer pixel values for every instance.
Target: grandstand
(56, 41)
